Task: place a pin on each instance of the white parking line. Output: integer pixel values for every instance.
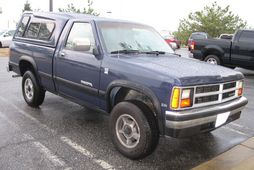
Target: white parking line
(64, 139)
(29, 116)
(48, 153)
(88, 154)
(58, 162)
(237, 125)
(236, 131)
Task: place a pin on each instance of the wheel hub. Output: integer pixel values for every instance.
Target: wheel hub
(28, 88)
(212, 61)
(127, 131)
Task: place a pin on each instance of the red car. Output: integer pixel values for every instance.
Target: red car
(171, 39)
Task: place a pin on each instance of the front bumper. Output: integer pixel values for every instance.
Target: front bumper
(190, 122)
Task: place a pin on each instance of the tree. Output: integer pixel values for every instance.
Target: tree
(88, 10)
(213, 19)
(27, 6)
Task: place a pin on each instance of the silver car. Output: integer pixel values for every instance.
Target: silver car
(6, 37)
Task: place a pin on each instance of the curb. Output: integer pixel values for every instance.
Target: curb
(240, 157)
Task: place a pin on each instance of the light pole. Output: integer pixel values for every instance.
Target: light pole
(51, 5)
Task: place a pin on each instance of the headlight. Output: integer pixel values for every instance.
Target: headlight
(181, 97)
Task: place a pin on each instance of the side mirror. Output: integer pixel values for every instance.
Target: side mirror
(81, 44)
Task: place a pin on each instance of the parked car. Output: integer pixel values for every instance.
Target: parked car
(171, 40)
(196, 36)
(146, 88)
(6, 37)
(236, 53)
(226, 36)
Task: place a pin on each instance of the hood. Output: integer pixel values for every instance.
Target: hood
(187, 71)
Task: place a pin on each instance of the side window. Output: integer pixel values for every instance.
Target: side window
(46, 30)
(80, 38)
(22, 27)
(33, 30)
(40, 30)
(247, 36)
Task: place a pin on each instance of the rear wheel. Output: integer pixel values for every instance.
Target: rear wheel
(1, 45)
(133, 132)
(33, 93)
(213, 59)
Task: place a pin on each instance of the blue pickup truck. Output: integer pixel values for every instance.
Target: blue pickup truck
(127, 70)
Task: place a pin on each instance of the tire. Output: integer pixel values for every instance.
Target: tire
(1, 45)
(143, 136)
(33, 93)
(212, 59)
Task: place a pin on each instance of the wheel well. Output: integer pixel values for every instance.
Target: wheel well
(212, 52)
(119, 94)
(24, 66)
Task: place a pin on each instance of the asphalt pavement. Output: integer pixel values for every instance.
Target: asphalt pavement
(63, 135)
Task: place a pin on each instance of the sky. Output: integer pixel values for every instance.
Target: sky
(161, 14)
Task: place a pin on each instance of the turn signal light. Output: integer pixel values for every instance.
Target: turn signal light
(240, 88)
(175, 98)
(185, 103)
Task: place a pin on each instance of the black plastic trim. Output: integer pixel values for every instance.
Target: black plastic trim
(86, 89)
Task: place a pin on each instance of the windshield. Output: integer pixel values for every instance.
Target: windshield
(198, 36)
(119, 36)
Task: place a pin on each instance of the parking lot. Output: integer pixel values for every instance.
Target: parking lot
(64, 135)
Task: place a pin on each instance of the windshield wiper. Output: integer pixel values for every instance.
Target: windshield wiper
(179, 55)
(155, 52)
(125, 51)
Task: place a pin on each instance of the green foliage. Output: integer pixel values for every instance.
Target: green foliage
(88, 10)
(213, 19)
(27, 7)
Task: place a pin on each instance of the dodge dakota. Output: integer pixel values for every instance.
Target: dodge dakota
(127, 70)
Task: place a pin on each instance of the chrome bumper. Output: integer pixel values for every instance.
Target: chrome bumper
(177, 120)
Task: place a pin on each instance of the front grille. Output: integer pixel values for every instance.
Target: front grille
(206, 99)
(206, 89)
(228, 94)
(214, 94)
(229, 85)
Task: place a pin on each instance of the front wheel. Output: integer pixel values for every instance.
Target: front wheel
(33, 93)
(133, 132)
(213, 59)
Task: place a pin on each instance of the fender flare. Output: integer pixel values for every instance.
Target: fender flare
(32, 62)
(142, 89)
(213, 48)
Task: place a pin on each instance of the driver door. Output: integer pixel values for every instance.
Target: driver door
(77, 69)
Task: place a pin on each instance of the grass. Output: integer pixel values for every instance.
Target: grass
(4, 52)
